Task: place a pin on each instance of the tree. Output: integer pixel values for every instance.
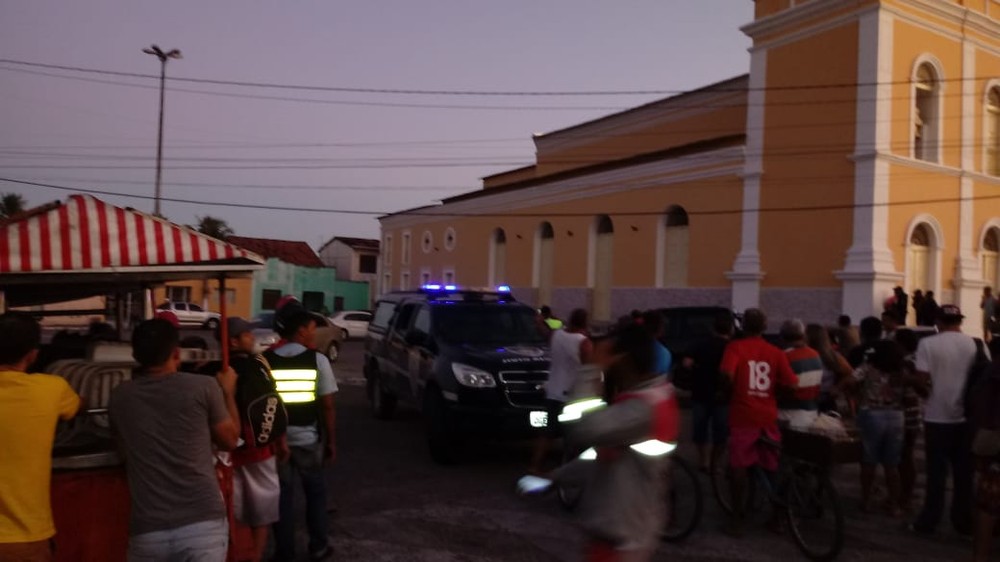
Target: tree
(214, 227)
(11, 204)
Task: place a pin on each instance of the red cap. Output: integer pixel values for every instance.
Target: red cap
(169, 316)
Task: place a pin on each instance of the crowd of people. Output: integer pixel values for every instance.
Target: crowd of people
(270, 420)
(261, 424)
(883, 378)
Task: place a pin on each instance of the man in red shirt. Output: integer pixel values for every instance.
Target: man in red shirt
(753, 369)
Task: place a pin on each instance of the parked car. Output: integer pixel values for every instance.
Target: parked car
(328, 336)
(475, 362)
(352, 323)
(190, 314)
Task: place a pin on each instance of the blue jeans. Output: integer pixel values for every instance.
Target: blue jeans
(206, 541)
(947, 444)
(307, 463)
(881, 436)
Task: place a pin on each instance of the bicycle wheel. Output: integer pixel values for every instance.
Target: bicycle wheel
(815, 516)
(684, 500)
(569, 494)
(722, 481)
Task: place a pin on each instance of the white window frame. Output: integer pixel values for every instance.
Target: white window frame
(981, 246)
(387, 250)
(445, 273)
(407, 251)
(939, 78)
(993, 84)
(426, 276)
(386, 282)
(404, 280)
(427, 242)
(935, 250)
(450, 233)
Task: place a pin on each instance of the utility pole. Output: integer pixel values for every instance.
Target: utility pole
(164, 57)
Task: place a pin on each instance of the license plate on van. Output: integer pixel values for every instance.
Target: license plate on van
(538, 419)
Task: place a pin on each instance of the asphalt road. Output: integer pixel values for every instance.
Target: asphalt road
(392, 503)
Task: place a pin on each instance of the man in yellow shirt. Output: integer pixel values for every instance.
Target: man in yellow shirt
(30, 406)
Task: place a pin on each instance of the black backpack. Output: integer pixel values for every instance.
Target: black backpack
(262, 412)
(980, 370)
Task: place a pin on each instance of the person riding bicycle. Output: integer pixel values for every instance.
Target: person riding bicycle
(753, 369)
(622, 510)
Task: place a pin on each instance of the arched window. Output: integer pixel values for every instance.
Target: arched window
(920, 262)
(988, 255)
(544, 262)
(498, 257)
(675, 247)
(602, 263)
(926, 118)
(991, 134)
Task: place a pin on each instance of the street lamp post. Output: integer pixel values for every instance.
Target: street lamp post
(164, 57)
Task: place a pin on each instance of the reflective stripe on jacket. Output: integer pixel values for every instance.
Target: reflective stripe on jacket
(295, 379)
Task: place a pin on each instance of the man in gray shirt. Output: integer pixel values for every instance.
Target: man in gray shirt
(166, 423)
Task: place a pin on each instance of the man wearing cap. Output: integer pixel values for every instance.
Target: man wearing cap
(256, 489)
(945, 359)
(306, 384)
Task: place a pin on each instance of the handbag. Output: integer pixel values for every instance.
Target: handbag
(829, 424)
(986, 443)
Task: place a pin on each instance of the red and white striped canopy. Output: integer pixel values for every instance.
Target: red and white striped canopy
(87, 235)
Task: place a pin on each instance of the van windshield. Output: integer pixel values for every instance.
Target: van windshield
(486, 324)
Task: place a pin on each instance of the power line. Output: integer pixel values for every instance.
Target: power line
(275, 186)
(431, 214)
(676, 104)
(441, 92)
(322, 101)
(585, 160)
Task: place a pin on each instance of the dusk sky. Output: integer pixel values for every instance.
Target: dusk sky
(364, 152)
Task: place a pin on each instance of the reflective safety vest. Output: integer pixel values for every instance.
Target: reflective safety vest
(664, 431)
(295, 379)
(554, 323)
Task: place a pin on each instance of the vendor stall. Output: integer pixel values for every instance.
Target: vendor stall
(84, 247)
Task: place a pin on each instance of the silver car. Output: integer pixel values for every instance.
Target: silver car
(328, 337)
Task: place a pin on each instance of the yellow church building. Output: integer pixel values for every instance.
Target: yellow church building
(860, 152)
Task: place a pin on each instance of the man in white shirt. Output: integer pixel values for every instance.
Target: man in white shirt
(568, 350)
(945, 359)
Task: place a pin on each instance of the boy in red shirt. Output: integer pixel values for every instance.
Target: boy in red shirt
(753, 369)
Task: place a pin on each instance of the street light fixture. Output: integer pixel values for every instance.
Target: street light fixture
(164, 57)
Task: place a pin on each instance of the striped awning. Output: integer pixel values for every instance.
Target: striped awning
(87, 235)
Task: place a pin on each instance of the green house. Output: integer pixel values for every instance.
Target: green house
(293, 268)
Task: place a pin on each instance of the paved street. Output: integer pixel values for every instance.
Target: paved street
(393, 503)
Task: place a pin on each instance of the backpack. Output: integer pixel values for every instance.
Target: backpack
(980, 370)
(262, 413)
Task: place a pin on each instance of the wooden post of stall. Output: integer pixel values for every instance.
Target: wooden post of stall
(223, 472)
(3, 301)
(223, 324)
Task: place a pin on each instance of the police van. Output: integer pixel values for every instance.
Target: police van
(474, 361)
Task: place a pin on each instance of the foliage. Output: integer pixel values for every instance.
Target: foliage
(11, 204)
(214, 227)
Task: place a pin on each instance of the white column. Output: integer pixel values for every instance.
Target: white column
(746, 274)
(968, 280)
(869, 270)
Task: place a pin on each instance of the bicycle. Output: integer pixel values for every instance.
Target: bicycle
(682, 495)
(801, 493)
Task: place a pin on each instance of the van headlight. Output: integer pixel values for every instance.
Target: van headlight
(472, 377)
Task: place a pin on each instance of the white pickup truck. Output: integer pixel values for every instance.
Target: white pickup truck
(190, 314)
